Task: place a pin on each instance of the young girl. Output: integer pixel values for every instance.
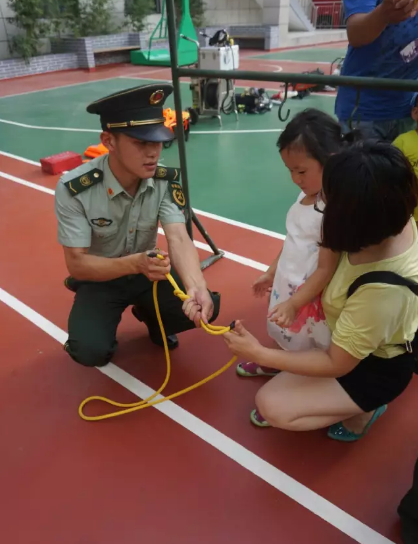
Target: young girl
(302, 269)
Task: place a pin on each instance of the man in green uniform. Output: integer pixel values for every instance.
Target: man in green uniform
(108, 212)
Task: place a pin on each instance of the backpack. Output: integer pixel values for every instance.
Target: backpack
(393, 279)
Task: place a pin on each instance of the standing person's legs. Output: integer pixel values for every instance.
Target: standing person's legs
(93, 321)
(408, 512)
(382, 130)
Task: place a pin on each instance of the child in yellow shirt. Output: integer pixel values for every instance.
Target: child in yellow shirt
(408, 143)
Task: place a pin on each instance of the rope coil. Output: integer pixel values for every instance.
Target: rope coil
(148, 402)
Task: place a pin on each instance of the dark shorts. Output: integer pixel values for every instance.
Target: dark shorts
(382, 130)
(376, 381)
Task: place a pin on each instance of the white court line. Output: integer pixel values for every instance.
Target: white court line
(11, 156)
(243, 131)
(157, 70)
(150, 79)
(66, 129)
(27, 183)
(294, 61)
(290, 487)
(228, 255)
(278, 68)
(59, 87)
(213, 216)
(36, 127)
(260, 230)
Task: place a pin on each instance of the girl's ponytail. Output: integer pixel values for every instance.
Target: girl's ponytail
(351, 137)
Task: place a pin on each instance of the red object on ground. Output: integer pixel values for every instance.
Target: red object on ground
(56, 164)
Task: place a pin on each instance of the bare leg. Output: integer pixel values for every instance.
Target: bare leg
(301, 403)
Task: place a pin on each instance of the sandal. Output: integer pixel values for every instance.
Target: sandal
(257, 419)
(252, 370)
(341, 433)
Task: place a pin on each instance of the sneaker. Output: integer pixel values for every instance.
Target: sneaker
(252, 370)
(257, 419)
(71, 284)
(341, 433)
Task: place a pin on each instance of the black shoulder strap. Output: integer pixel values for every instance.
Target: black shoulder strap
(167, 173)
(382, 277)
(84, 181)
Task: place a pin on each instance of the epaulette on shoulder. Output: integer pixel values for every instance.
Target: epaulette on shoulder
(172, 175)
(86, 180)
(167, 174)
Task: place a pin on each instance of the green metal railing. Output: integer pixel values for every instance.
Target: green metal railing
(281, 77)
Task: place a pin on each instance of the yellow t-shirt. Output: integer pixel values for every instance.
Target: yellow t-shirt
(408, 144)
(377, 317)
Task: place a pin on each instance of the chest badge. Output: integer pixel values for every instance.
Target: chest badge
(101, 222)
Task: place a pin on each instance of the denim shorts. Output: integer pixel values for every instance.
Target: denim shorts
(382, 130)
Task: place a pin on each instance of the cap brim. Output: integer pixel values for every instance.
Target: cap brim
(150, 133)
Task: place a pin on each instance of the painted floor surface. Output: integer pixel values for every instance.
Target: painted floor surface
(191, 471)
(234, 171)
(308, 54)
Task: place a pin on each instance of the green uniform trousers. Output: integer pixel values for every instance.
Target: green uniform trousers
(98, 308)
(408, 512)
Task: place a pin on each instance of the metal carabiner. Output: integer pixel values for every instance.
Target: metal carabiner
(284, 119)
(356, 105)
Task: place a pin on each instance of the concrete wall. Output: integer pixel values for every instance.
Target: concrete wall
(218, 13)
(8, 30)
(235, 12)
(39, 65)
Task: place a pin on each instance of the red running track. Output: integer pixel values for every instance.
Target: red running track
(143, 476)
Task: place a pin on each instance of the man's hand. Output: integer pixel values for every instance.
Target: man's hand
(199, 306)
(153, 268)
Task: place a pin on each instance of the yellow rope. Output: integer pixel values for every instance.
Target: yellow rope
(146, 403)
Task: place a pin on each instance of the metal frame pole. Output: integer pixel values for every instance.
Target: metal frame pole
(172, 39)
(189, 213)
(384, 84)
(281, 77)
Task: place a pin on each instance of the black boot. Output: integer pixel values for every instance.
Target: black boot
(155, 336)
(71, 284)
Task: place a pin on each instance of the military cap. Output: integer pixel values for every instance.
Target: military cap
(137, 112)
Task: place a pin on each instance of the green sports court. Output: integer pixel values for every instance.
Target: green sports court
(234, 171)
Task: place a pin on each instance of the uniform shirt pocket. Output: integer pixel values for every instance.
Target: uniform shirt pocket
(104, 239)
(146, 235)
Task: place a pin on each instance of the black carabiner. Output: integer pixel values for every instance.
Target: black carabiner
(356, 105)
(284, 119)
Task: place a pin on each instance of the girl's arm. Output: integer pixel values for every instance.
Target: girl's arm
(333, 363)
(265, 281)
(285, 313)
